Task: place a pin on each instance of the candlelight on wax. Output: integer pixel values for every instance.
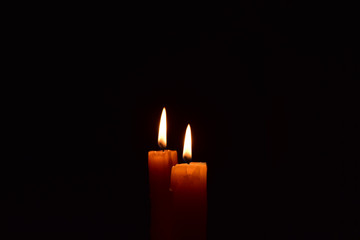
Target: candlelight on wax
(160, 164)
(188, 185)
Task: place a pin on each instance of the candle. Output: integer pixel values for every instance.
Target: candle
(160, 164)
(188, 185)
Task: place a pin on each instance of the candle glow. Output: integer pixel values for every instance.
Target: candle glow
(187, 144)
(162, 130)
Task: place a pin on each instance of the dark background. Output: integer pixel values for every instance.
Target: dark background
(267, 89)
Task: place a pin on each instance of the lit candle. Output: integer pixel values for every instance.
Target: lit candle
(188, 185)
(160, 164)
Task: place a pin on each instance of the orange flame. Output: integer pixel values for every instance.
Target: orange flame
(187, 144)
(162, 130)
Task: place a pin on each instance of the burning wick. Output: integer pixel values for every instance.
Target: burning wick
(162, 130)
(187, 145)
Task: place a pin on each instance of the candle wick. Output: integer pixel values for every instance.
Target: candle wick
(187, 160)
(162, 147)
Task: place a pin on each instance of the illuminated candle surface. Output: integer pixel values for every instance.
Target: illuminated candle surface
(188, 185)
(160, 164)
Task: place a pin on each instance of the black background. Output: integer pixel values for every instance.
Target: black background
(267, 89)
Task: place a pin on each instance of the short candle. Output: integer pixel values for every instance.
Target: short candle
(188, 185)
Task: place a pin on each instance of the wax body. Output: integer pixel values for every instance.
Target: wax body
(189, 193)
(160, 164)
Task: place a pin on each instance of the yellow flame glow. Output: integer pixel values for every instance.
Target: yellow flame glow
(162, 130)
(187, 144)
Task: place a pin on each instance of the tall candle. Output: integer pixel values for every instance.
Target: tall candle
(160, 164)
(188, 185)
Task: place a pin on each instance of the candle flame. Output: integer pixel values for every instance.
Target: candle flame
(187, 144)
(162, 130)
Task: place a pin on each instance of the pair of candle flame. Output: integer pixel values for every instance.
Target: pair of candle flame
(162, 137)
